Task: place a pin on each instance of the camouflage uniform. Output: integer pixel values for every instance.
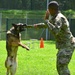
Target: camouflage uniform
(59, 26)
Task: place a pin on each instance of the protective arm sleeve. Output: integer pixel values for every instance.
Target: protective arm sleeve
(49, 25)
(40, 25)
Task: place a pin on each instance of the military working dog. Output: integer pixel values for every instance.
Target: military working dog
(13, 40)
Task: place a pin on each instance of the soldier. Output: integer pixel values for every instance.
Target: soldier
(59, 27)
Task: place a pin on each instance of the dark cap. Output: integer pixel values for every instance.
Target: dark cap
(53, 3)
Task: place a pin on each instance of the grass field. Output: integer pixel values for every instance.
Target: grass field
(37, 61)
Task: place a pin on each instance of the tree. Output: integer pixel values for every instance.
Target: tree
(35, 4)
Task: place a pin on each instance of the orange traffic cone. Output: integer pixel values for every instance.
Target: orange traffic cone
(41, 43)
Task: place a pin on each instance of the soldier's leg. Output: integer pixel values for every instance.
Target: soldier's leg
(63, 59)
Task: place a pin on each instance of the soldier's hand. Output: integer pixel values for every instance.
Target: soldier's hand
(35, 25)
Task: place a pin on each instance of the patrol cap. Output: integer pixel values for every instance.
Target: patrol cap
(53, 3)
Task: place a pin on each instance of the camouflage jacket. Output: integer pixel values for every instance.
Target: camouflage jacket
(61, 31)
(59, 27)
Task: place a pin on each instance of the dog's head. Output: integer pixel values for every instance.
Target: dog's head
(19, 27)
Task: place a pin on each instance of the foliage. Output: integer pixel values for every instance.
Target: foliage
(35, 4)
(69, 13)
(22, 13)
(23, 4)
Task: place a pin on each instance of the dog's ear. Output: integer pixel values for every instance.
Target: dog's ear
(13, 24)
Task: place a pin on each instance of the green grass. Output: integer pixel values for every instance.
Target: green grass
(37, 61)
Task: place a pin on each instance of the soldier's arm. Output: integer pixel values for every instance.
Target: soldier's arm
(46, 24)
(64, 23)
(49, 25)
(38, 25)
(46, 15)
(42, 25)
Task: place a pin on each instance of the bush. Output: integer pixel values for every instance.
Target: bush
(69, 13)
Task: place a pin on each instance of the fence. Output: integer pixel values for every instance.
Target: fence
(30, 33)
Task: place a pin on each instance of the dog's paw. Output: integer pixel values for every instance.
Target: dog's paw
(28, 49)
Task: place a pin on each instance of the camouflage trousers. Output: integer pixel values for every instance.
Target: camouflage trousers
(63, 58)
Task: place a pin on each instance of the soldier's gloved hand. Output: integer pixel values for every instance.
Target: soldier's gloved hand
(35, 25)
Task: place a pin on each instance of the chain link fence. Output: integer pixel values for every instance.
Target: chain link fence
(30, 33)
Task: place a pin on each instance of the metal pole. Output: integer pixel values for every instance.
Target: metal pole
(0, 23)
(47, 28)
(6, 27)
(26, 23)
(47, 3)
